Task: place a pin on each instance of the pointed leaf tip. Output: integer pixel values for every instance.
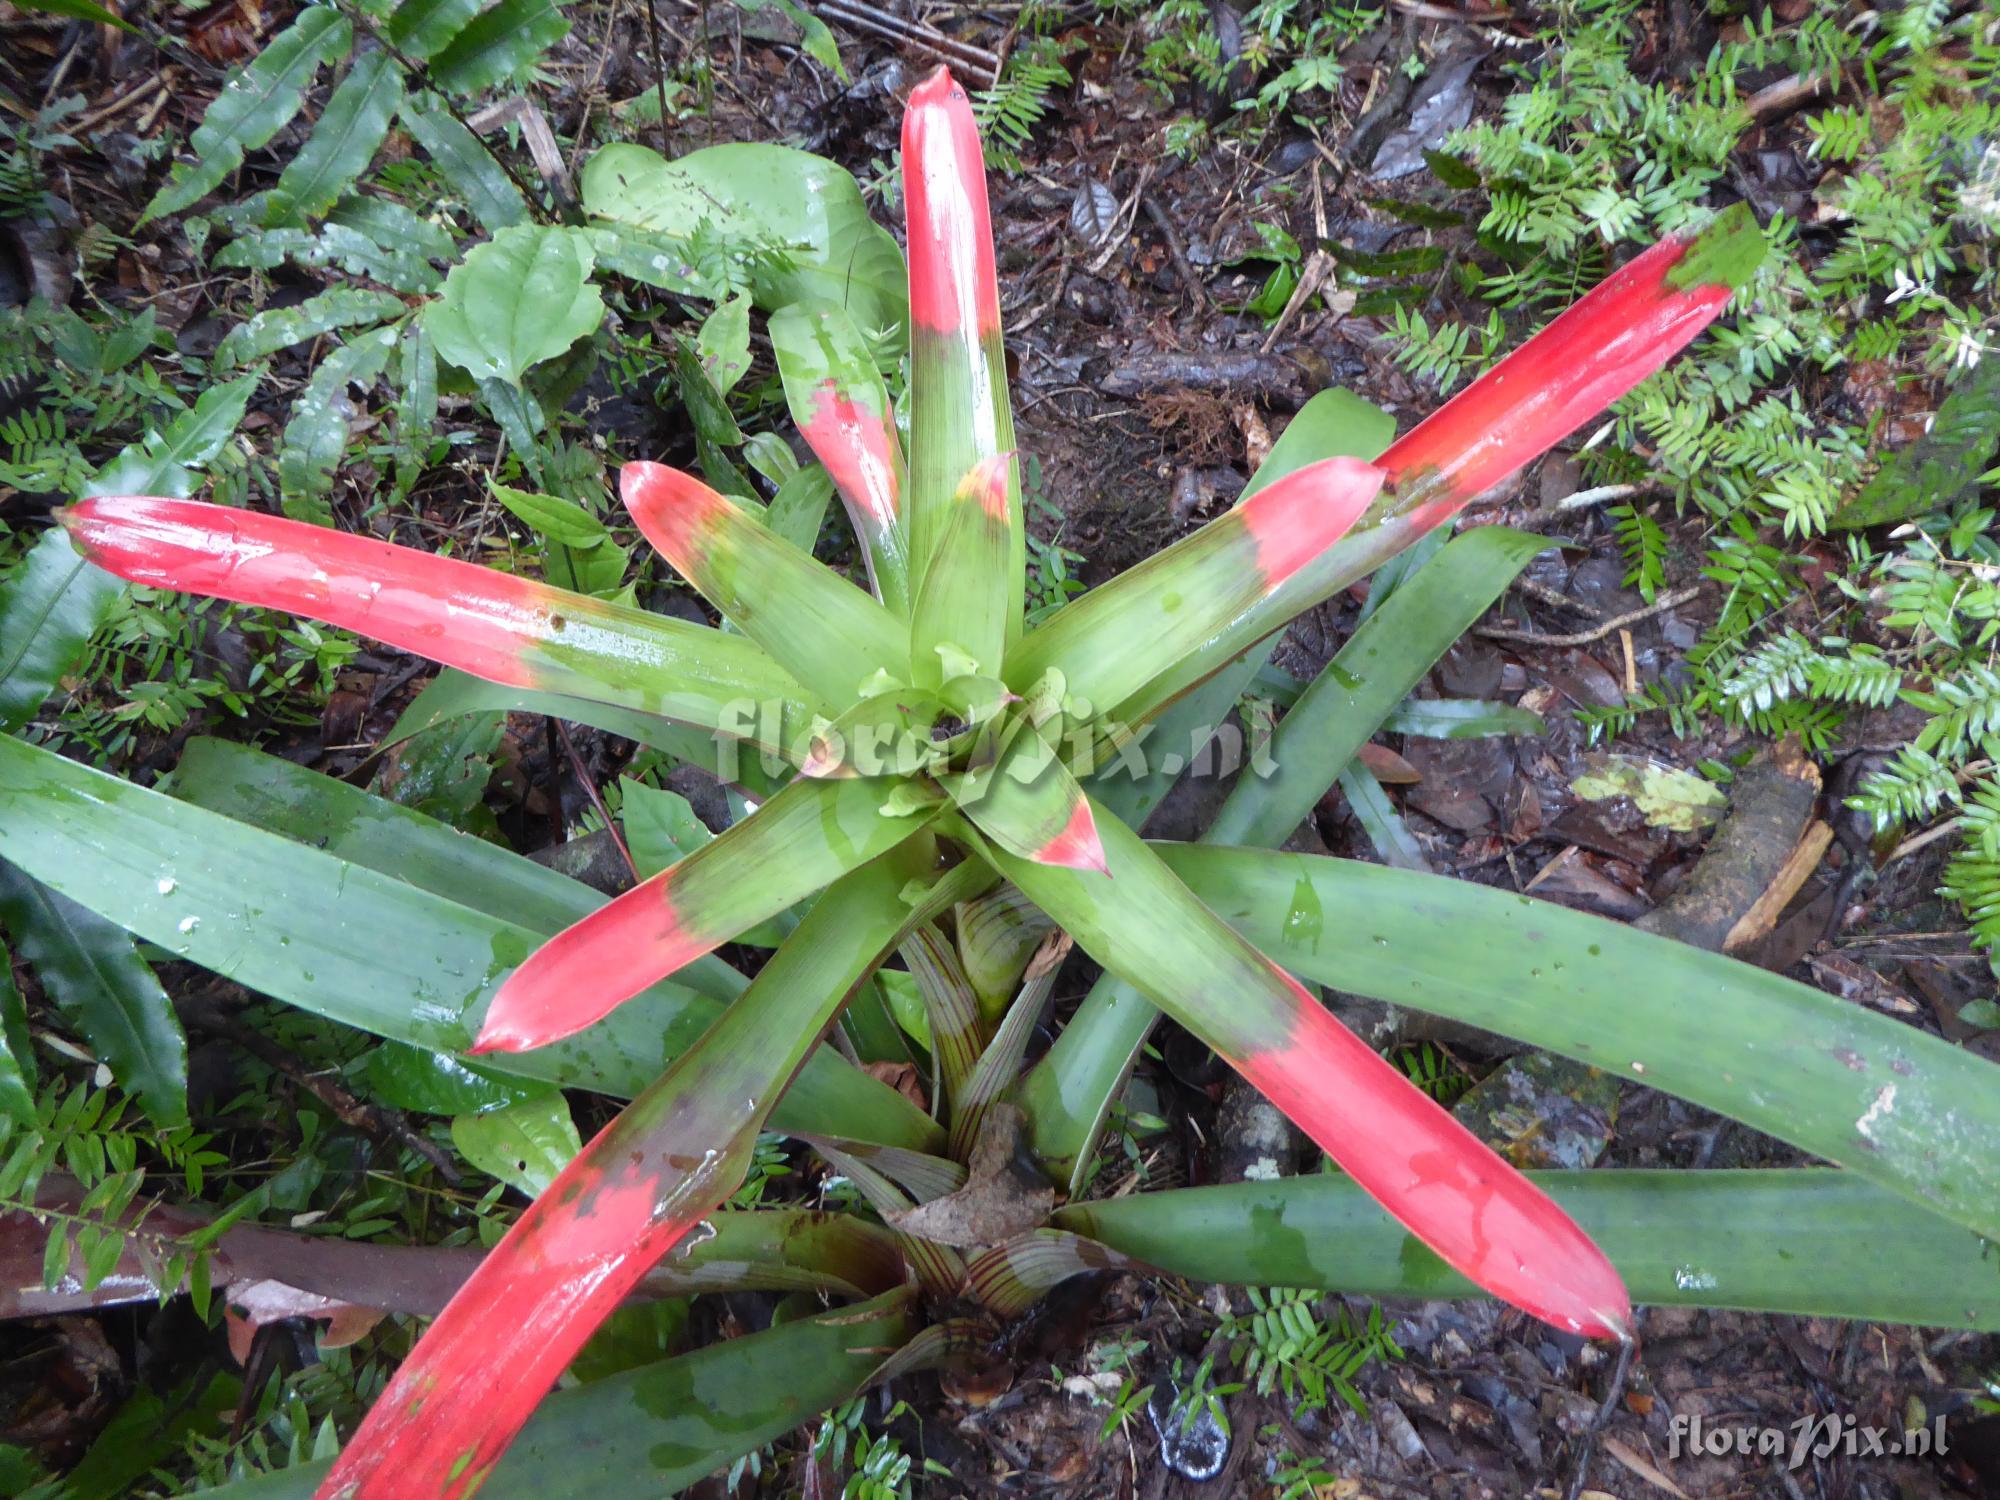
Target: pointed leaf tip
(676, 511)
(1725, 254)
(953, 289)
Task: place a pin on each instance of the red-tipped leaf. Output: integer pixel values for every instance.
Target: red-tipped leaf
(809, 834)
(961, 612)
(1447, 1188)
(821, 628)
(641, 1187)
(494, 625)
(959, 414)
(842, 409)
(1240, 576)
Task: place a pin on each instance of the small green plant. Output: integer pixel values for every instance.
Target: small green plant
(1286, 1343)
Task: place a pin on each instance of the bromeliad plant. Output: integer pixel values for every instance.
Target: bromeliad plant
(959, 786)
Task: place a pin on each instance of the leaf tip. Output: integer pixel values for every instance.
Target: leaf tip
(1077, 847)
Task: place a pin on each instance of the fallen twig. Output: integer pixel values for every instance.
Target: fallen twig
(1597, 632)
(857, 15)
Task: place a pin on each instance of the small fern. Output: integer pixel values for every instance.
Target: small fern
(1009, 112)
(1907, 790)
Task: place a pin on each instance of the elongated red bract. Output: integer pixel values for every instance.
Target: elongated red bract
(1440, 1180)
(856, 446)
(952, 285)
(1624, 330)
(1077, 847)
(454, 612)
(1299, 517)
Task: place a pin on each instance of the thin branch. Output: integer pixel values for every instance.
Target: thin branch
(1597, 632)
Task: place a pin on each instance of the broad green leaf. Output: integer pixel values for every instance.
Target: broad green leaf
(421, 28)
(394, 227)
(50, 606)
(653, 259)
(162, 463)
(344, 941)
(316, 437)
(271, 793)
(764, 196)
(723, 343)
(256, 103)
(346, 137)
(338, 245)
(17, 1055)
(524, 1145)
(281, 327)
(1806, 1241)
(1888, 1102)
(498, 44)
(98, 981)
(466, 164)
(522, 297)
(675, 1422)
(559, 520)
(437, 1083)
(815, 38)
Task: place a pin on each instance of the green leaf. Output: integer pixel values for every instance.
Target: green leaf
(498, 44)
(421, 28)
(523, 297)
(254, 105)
(162, 463)
(281, 327)
(1460, 718)
(344, 941)
(674, 1422)
(815, 38)
(349, 132)
(723, 343)
(436, 1083)
(79, 10)
(17, 1053)
(50, 606)
(798, 510)
(559, 520)
(96, 978)
(1806, 1241)
(1387, 832)
(769, 196)
(467, 165)
(1369, 679)
(268, 792)
(524, 1145)
(316, 437)
(394, 227)
(1944, 465)
(1885, 1100)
